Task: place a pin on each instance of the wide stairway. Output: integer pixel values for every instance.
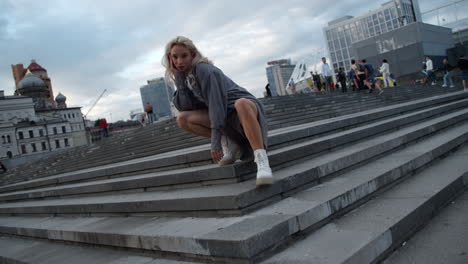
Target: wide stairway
(165, 136)
(355, 176)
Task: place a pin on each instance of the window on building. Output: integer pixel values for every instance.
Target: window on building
(23, 149)
(34, 149)
(73, 115)
(55, 130)
(57, 143)
(44, 146)
(65, 116)
(9, 154)
(20, 135)
(8, 138)
(41, 132)
(66, 142)
(4, 139)
(31, 133)
(69, 116)
(64, 129)
(336, 43)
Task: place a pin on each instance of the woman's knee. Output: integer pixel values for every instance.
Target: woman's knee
(244, 105)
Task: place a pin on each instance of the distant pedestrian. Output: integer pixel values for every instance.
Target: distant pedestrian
(352, 79)
(268, 91)
(361, 74)
(448, 74)
(149, 112)
(341, 77)
(370, 77)
(104, 128)
(430, 70)
(463, 65)
(3, 168)
(317, 81)
(292, 86)
(326, 74)
(385, 70)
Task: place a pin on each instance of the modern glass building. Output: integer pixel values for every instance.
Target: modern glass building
(278, 74)
(341, 33)
(159, 95)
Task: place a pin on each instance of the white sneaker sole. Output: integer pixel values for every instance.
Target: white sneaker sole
(264, 181)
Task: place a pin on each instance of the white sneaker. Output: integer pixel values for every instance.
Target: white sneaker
(264, 174)
(452, 86)
(433, 83)
(444, 86)
(230, 151)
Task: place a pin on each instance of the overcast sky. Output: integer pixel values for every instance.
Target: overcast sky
(88, 45)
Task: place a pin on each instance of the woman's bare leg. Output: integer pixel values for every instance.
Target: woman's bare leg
(196, 122)
(247, 113)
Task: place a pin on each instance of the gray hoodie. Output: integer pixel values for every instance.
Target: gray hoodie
(219, 93)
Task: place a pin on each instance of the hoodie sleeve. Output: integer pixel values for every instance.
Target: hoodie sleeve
(214, 91)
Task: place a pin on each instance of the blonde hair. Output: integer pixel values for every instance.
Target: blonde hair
(166, 60)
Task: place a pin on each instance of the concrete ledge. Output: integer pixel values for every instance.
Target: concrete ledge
(43, 252)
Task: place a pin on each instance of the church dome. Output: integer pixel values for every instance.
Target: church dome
(31, 82)
(60, 98)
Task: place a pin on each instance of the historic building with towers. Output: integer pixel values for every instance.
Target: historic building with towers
(32, 122)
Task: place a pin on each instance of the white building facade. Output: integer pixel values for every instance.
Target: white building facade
(25, 132)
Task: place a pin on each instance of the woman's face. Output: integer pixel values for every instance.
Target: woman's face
(181, 58)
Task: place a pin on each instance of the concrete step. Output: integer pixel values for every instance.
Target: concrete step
(369, 233)
(442, 240)
(17, 250)
(208, 173)
(242, 197)
(259, 233)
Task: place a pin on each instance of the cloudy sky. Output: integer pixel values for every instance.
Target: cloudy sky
(88, 46)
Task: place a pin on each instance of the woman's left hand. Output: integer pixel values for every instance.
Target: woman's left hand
(216, 155)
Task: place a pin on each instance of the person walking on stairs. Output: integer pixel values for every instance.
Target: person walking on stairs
(448, 74)
(430, 70)
(463, 65)
(213, 106)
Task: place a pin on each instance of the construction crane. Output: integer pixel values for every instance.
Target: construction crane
(97, 100)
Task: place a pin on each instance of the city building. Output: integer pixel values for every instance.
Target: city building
(19, 72)
(26, 132)
(278, 74)
(341, 33)
(159, 95)
(405, 49)
(454, 16)
(31, 125)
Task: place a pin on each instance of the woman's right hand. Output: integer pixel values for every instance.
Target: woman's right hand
(216, 155)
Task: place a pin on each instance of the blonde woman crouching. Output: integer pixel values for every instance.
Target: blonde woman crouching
(212, 105)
